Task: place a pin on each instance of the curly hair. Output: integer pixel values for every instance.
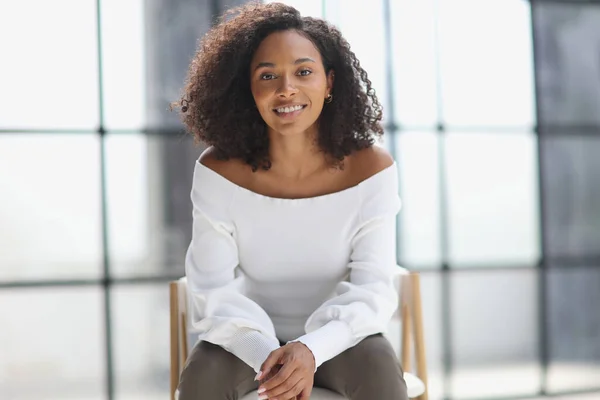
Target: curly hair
(217, 106)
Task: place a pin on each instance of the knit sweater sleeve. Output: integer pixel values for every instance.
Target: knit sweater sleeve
(364, 303)
(220, 310)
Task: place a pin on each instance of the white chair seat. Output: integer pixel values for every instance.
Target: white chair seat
(414, 385)
(317, 394)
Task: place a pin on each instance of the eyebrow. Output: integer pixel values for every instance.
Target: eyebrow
(271, 65)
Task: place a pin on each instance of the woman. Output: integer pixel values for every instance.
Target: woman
(291, 264)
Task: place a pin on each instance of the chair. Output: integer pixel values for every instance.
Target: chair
(409, 313)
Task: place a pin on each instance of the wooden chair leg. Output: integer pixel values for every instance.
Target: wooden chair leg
(174, 322)
(406, 338)
(184, 342)
(418, 333)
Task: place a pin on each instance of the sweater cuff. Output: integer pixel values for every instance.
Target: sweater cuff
(252, 347)
(328, 341)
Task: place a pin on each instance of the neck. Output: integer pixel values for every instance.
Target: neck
(295, 156)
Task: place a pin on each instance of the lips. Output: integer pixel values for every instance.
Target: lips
(289, 111)
(288, 107)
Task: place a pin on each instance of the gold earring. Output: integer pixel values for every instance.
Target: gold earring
(329, 98)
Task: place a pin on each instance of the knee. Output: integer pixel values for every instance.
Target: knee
(376, 369)
(375, 354)
(378, 365)
(379, 374)
(198, 381)
(209, 373)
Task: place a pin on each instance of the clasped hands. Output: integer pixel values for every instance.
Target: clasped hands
(287, 374)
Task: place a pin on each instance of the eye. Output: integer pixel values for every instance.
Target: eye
(267, 76)
(305, 72)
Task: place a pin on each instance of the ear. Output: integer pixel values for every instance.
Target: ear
(330, 79)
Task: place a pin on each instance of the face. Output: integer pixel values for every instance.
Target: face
(289, 83)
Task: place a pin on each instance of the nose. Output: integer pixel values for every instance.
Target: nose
(287, 87)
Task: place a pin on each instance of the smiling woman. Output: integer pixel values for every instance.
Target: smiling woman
(292, 261)
(290, 90)
(291, 61)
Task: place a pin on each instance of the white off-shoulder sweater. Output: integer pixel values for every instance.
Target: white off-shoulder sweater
(317, 270)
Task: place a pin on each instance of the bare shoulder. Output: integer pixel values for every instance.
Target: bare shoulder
(232, 169)
(368, 162)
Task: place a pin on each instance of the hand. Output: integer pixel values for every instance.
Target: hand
(271, 373)
(295, 376)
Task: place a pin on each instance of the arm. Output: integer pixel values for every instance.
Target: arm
(364, 304)
(220, 311)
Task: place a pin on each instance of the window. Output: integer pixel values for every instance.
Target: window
(491, 110)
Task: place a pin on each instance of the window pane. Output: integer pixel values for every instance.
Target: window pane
(419, 218)
(486, 63)
(492, 199)
(568, 66)
(123, 63)
(367, 44)
(141, 341)
(149, 181)
(574, 328)
(414, 58)
(571, 194)
(307, 8)
(52, 344)
(494, 334)
(51, 77)
(50, 206)
(128, 198)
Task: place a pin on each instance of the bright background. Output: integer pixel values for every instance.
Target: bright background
(492, 110)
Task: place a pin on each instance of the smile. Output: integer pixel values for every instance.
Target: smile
(289, 112)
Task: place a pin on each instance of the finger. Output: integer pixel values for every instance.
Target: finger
(289, 393)
(279, 378)
(305, 394)
(292, 393)
(271, 374)
(270, 362)
(285, 387)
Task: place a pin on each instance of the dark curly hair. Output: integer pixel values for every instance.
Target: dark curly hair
(217, 106)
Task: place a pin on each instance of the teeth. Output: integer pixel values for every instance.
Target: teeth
(289, 109)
